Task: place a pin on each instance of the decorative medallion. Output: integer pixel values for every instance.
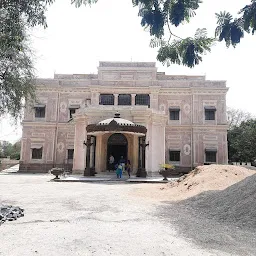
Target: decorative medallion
(186, 108)
(63, 107)
(60, 147)
(187, 149)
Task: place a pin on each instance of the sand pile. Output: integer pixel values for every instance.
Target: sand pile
(235, 205)
(203, 178)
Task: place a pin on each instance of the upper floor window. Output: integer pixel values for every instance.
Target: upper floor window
(174, 113)
(70, 154)
(210, 155)
(72, 110)
(174, 156)
(124, 99)
(37, 153)
(209, 113)
(106, 99)
(40, 111)
(142, 99)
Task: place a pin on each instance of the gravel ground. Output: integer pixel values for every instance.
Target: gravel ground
(223, 220)
(103, 219)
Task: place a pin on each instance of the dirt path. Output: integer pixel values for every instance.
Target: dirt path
(88, 219)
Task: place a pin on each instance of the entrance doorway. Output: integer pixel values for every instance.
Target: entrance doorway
(117, 147)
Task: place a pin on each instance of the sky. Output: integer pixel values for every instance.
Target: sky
(78, 38)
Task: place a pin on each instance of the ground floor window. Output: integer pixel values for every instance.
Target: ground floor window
(174, 155)
(70, 154)
(210, 156)
(37, 153)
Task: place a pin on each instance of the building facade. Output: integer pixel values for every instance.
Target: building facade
(74, 122)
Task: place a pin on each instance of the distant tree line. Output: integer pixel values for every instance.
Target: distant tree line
(8, 149)
(241, 136)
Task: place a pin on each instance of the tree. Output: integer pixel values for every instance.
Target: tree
(8, 149)
(242, 141)
(16, 65)
(159, 16)
(237, 116)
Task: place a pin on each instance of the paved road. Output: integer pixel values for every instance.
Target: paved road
(85, 219)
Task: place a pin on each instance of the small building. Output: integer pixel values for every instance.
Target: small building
(127, 110)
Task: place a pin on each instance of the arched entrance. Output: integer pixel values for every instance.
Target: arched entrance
(117, 146)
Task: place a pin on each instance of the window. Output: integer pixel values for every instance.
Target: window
(210, 156)
(70, 154)
(174, 156)
(106, 99)
(142, 99)
(37, 153)
(210, 113)
(124, 99)
(174, 114)
(72, 111)
(40, 111)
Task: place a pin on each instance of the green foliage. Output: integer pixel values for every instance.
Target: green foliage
(10, 150)
(249, 17)
(229, 29)
(188, 51)
(242, 141)
(16, 65)
(78, 3)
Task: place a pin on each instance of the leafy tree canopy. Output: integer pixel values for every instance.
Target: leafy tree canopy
(159, 16)
(242, 141)
(16, 65)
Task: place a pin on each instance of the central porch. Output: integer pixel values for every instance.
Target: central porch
(143, 146)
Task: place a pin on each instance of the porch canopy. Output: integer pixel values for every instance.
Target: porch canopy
(116, 124)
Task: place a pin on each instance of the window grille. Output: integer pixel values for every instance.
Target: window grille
(124, 99)
(209, 113)
(37, 153)
(174, 114)
(210, 156)
(142, 99)
(174, 156)
(106, 99)
(70, 154)
(39, 112)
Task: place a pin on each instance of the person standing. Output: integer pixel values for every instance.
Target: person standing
(111, 162)
(128, 168)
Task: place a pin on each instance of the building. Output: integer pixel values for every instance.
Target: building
(164, 119)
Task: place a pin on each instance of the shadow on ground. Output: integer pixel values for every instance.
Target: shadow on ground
(223, 220)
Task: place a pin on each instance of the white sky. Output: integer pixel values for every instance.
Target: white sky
(77, 39)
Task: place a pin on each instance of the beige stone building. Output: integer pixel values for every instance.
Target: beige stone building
(162, 119)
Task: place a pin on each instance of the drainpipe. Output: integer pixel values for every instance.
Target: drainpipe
(56, 130)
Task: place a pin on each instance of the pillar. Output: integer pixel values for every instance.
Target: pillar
(115, 99)
(133, 99)
(79, 147)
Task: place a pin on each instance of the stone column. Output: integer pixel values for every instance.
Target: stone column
(116, 99)
(133, 99)
(88, 144)
(79, 157)
(156, 152)
(98, 154)
(142, 170)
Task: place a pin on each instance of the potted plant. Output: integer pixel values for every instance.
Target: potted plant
(57, 171)
(166, 170)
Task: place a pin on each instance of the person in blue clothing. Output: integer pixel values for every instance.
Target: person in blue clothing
(122, 163)
(119, 171)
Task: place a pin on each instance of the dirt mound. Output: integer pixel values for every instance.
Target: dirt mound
(208, 177)
(203, 178)
(235, 205)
